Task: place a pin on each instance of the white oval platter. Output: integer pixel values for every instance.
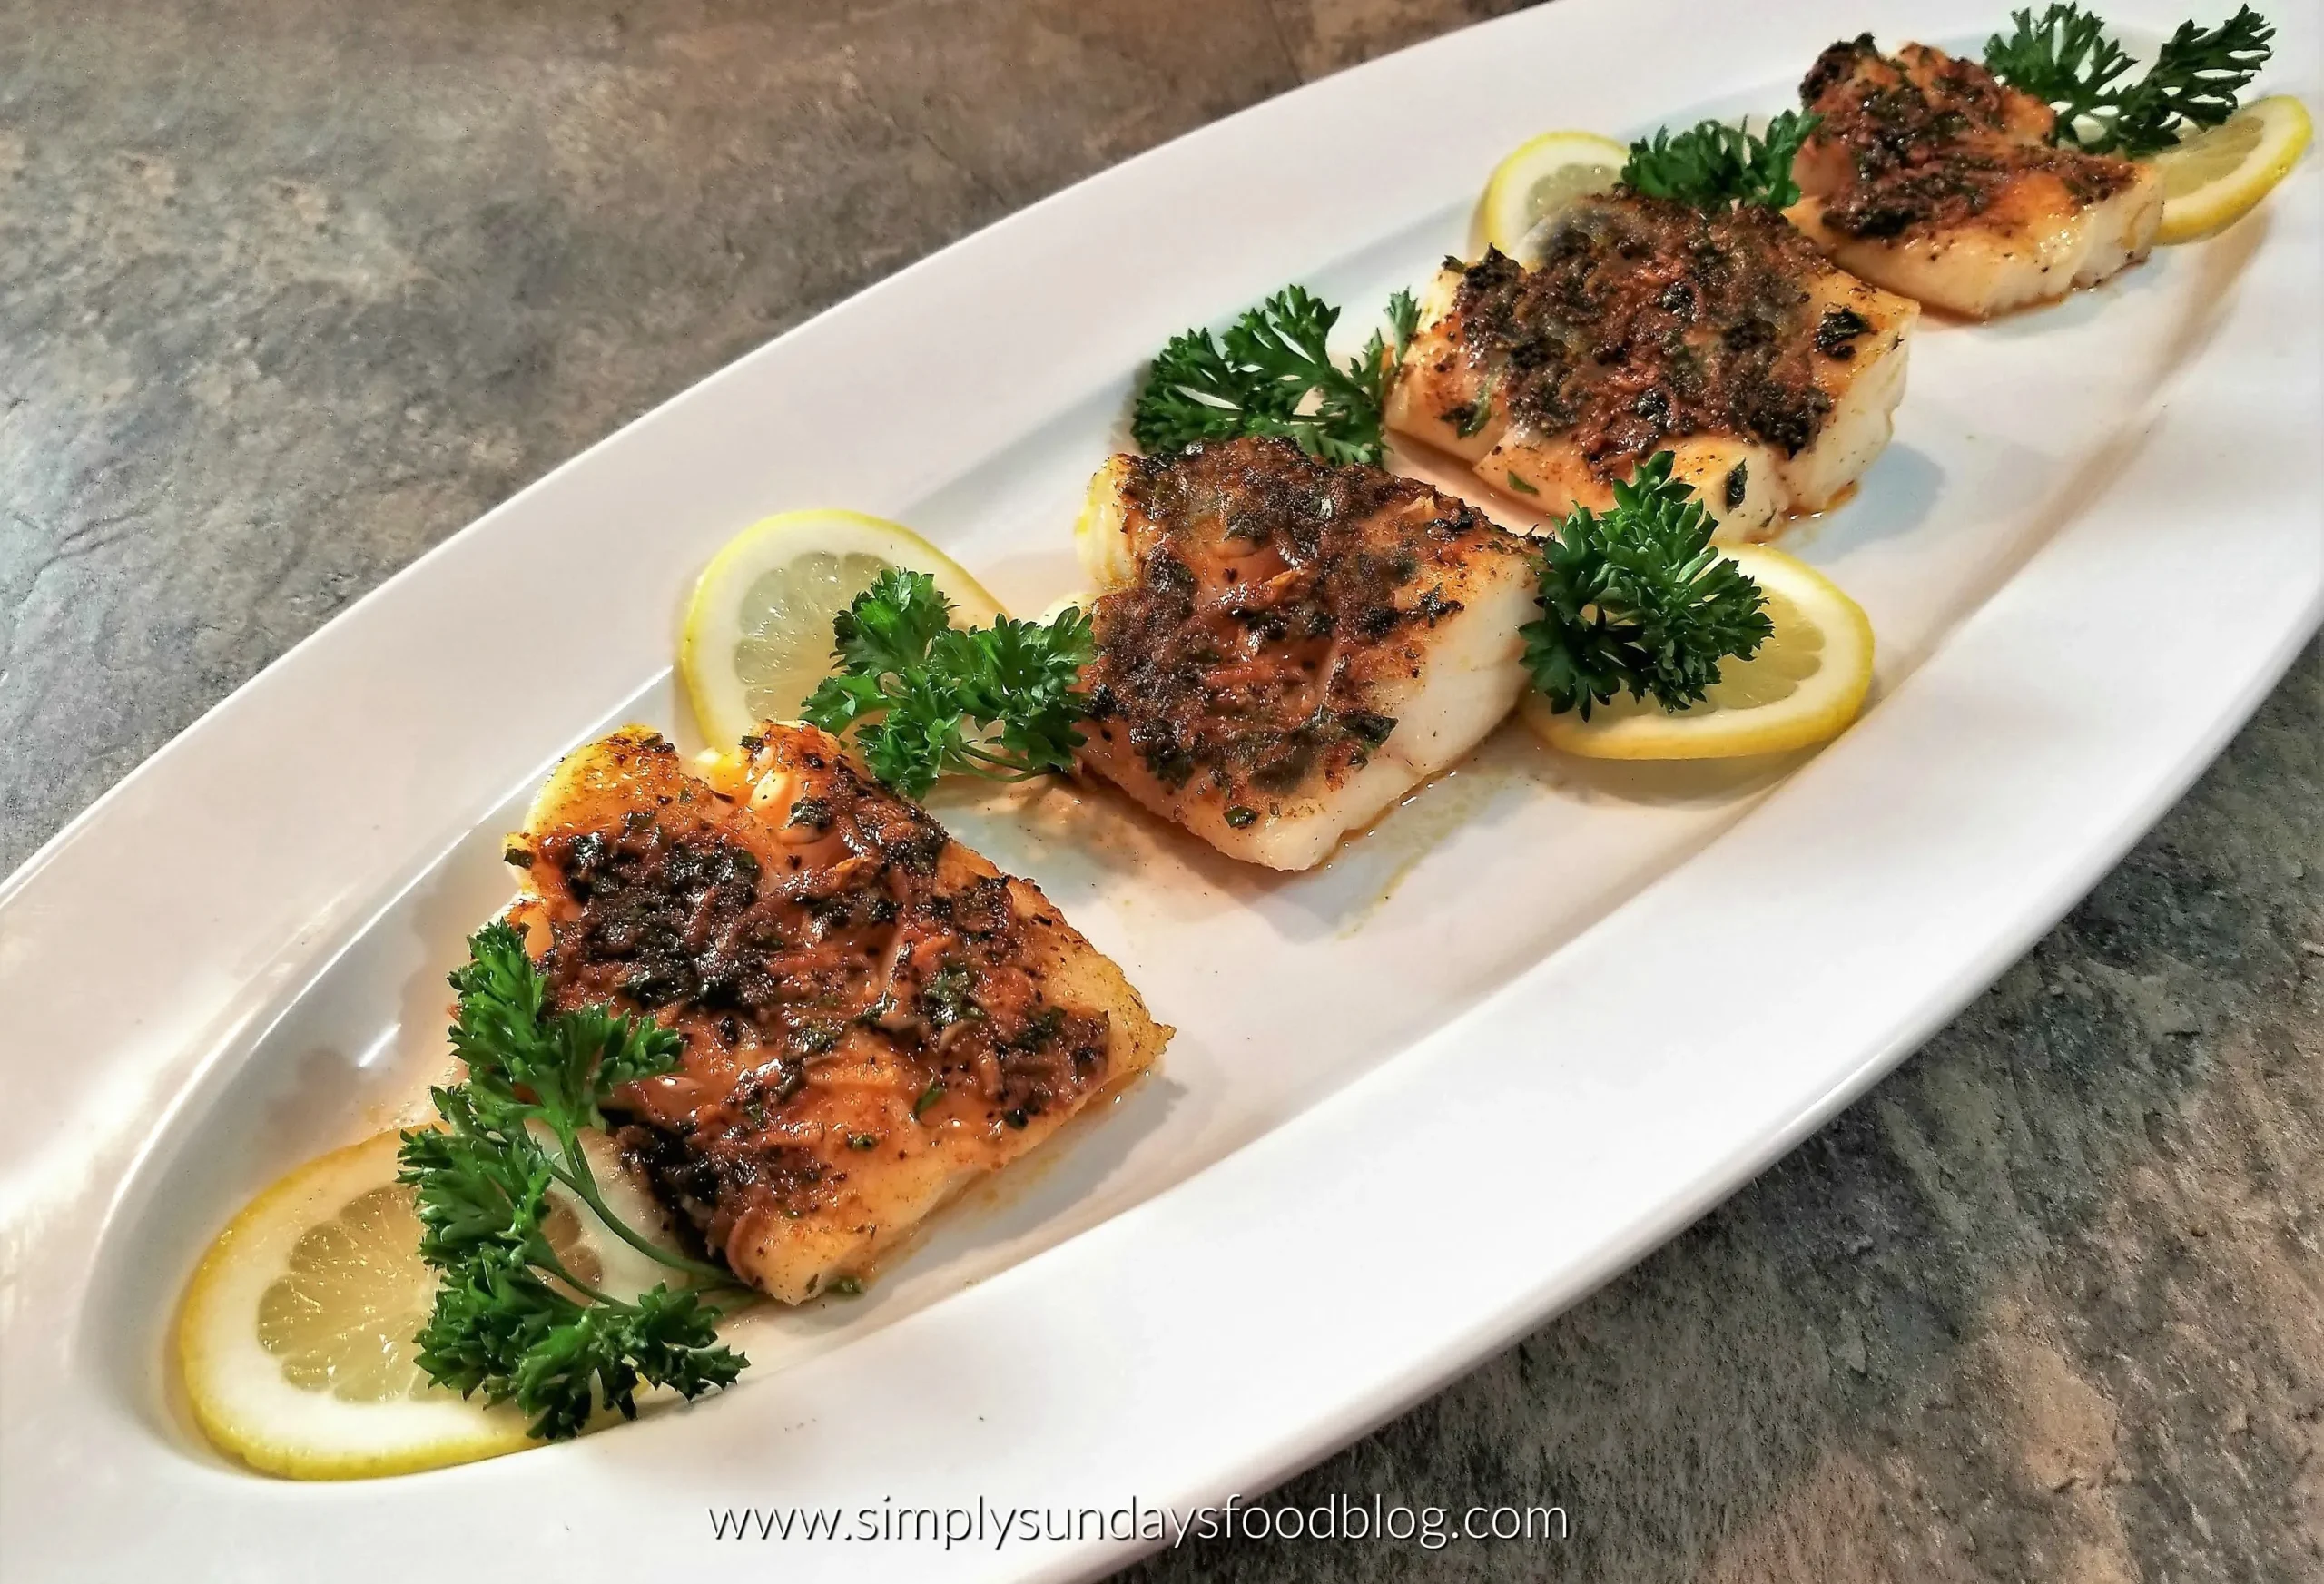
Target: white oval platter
(1502, 1046)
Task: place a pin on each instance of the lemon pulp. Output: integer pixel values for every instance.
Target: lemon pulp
(1778, 669)
(344, 1317)
(782, 602)
(2203, 160)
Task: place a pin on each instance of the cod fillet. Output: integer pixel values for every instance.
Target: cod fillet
(1286, 647)
(1931, 177)
(1727, 339)
(875, 1017)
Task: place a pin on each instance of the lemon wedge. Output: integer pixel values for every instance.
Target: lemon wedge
(2218, 175)
(758, 634)
(1542, 177)
(295, 1338)
(1805, 684)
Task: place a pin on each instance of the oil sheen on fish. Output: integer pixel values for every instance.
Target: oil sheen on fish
(873, 1016)
(1285, 647)
(1931, 177)
(1727, 339)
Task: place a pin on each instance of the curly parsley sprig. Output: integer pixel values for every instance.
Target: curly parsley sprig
(2066, 58)
(511, 1320)
(928, 699)
(1714, 166)
(1636, 600)
(1270, 374)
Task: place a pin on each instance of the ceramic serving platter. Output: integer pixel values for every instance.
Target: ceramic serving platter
(1532, 1023)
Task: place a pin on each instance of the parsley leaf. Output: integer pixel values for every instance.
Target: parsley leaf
(2066, 59)
(511, 1320)
(928, 699)
(1636, 600)
(1271, 374)
(947, 997)
(1714, 166)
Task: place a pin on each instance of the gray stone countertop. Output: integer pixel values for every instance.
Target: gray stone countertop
(291, 289)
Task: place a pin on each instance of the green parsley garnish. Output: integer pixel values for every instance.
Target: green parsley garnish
(510, 1321)
(2066, 59)
(1635, 600)
(928, 699)
(1714, 166)
(947, 998)
(1270, 374)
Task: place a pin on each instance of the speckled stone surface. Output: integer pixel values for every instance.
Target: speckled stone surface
(289, 289)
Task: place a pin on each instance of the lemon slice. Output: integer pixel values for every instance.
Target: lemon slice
(296, 1335)
(2218, 176)
(758, 634)
(1542, 177)
(1805, 684)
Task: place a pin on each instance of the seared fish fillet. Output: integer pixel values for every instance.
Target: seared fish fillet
(1726, 340)
(873, 1015)
(1285, 648)
(1931, 177)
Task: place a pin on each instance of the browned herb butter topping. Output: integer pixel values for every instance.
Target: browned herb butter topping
(1648, 320)
(1273, 594)
(824, 945)
(1922, 143)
